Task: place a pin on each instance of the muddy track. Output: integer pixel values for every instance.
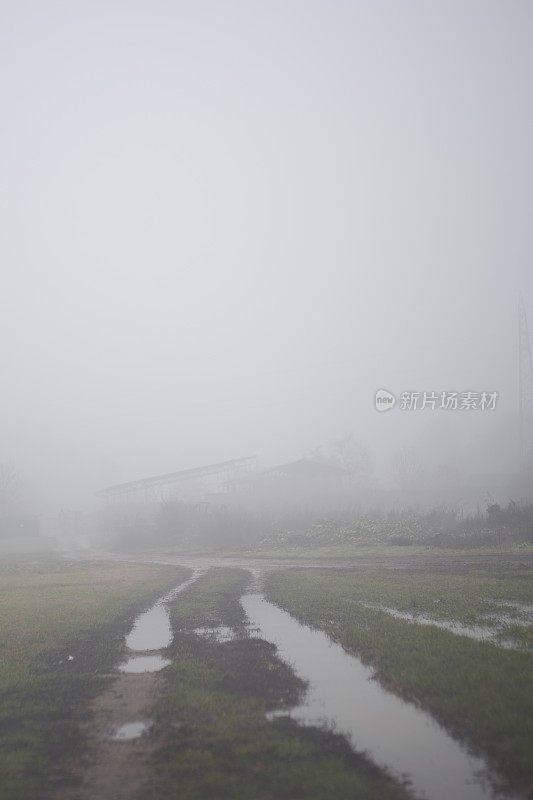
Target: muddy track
(117, 770)
(121, 769)
(115, 767)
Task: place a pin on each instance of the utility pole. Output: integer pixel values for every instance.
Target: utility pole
(525, 385)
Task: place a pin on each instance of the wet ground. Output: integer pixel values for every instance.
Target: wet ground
(118, 749)
(492, 631)
(342, 694)
(129, 731)
(118, 752)
(438, 561)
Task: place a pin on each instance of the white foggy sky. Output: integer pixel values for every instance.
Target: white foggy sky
(226, 224)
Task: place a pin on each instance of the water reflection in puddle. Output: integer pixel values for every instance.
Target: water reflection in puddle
(220, 634)
(139, 664)
(342, 692)
(151, 631)
(471, 631)
(482, 633)
(131, 730)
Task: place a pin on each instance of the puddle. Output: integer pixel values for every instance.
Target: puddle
(139, 664)
(343, 693)
(517, 606)
(482, 633)
(151, 631)
(220, 634)
(131, 730)
(478, 632)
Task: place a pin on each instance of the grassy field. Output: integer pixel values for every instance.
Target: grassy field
(217, 741)
(61, 626)
(390, 552)
(482, 693)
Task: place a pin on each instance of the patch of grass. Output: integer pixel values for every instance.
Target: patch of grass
(214, 599)
(216, 741)
(441, 595)
(520, 637)
(383, 551)
(48, 612)
(482, 693)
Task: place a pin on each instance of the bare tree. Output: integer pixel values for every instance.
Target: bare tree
(407, 468)
(350, 454)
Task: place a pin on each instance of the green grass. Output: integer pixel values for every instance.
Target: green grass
(464, 598)
(214, 599)
(49, 611)
(357, 550)
(218, 742)
(482, 693)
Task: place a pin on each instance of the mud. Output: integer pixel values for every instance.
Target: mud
(118, 753)
(139, 664)
(118, 764)
(117, 770)
(343, 694)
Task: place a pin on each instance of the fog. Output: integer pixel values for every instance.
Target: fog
(266, 401)
(227, 225)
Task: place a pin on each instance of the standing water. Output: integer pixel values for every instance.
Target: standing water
(138, 664)
(151, 631)
(342, 691)
(131, 730)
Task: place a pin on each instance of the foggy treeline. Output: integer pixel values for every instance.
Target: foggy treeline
(229, 226)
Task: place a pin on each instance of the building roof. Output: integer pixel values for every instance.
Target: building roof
(172, 477)
(308, 468)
